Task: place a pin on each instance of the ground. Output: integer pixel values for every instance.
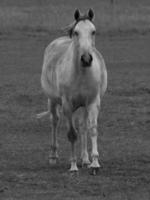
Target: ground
(124, 140)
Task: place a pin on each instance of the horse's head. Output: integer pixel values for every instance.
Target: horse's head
(83, 35)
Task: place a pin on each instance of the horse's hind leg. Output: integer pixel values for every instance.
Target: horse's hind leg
(54, 145)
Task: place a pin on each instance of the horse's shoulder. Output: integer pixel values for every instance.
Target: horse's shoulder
(58, 45)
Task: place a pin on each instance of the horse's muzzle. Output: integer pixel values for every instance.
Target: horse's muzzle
(86, 60)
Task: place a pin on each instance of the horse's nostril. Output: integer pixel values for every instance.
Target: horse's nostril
(91, 58)
(82, 58)
(86, 60)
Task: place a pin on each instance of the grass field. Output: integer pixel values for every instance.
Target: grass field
(124, 140)
(26, 28)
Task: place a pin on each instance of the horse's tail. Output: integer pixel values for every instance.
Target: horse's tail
(42, 114)
(45, 113)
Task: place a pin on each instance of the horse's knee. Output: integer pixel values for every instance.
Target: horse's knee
(72, 135)
(92, 129)
(93, 132)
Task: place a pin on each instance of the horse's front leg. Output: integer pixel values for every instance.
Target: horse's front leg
(83, 133)
(72, 137)
(93, 112)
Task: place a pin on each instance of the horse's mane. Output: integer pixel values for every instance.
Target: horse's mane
(69, 29)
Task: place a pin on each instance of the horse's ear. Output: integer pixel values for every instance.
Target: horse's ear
(91, 14)
(77, 14)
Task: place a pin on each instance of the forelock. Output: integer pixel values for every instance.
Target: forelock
(84, 24)
(82, 18)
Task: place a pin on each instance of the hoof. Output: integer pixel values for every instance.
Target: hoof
(53, 161)
(94, 171)
(73, 169)
(74, 173)
(86, 165)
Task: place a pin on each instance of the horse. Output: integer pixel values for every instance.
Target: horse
(74, 75)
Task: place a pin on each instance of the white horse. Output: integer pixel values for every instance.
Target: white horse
(74, 75)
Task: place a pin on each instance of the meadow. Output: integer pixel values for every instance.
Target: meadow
(123, 38)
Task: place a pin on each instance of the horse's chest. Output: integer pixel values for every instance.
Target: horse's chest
(81, 100)
(83, 93)
(81, 90)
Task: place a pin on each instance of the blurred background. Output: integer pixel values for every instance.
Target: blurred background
(51, 15)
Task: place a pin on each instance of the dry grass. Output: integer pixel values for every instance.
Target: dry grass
(53, 16)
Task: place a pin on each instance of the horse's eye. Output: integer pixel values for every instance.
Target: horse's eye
(76, 33)
(93, 32)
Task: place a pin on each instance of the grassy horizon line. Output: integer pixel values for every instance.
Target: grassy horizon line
(51, 18)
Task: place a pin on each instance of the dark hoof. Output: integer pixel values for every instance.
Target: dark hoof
(53, 161)
(85, 165)
(94, 171)
(74, 173)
